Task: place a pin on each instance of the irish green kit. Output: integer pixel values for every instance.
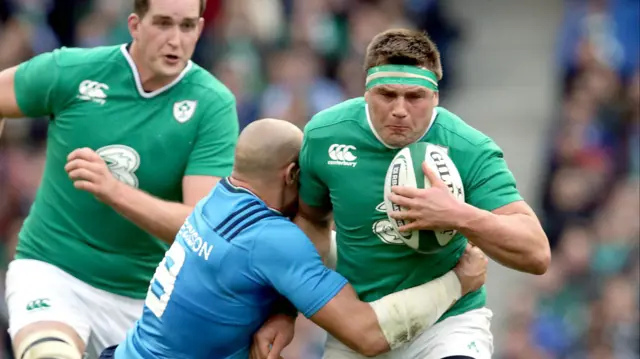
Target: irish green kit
(149, 140)
(343, 163)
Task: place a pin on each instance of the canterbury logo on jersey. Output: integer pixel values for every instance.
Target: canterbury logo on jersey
(93, 91)
(341, 155)
(38, 304)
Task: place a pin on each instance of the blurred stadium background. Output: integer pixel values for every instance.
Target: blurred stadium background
(555, 83)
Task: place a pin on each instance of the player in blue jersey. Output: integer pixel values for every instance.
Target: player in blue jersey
(238, 256)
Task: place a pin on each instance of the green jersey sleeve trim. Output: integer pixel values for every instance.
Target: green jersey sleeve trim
(214, 148)
(491, 184)
(36, 86)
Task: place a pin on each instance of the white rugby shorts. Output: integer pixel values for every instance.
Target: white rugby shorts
(38, 291)
(467, 334)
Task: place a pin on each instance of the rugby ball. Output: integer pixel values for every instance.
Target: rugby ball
(406, 170)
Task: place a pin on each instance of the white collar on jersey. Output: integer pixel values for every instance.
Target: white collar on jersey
(237, 188)
(136, 75)
(375, 133)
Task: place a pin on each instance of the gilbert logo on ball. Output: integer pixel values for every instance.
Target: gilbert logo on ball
(406, 170)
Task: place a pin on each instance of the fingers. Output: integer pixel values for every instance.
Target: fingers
(85, 186)
(254, 354)
(476, 255)
(261, 347)
(83, 174)
(408, 192)
(84, 154)
(413, 226)
(404, 214)
(432, 177)
(401, 201)
(476, 252)
(81, 163)
(278, 346)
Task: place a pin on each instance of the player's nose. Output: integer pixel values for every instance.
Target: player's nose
(399, 113)
(399, 110)
(174, 38)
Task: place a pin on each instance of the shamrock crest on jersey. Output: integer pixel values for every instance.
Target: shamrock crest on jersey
(384, 230)
(184, 110)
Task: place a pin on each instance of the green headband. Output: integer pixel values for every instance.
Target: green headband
(401, 75)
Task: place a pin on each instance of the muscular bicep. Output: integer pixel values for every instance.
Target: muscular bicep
(194, 188)
(517, 207)
(8, 102)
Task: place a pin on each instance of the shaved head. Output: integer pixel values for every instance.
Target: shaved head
(265, 148)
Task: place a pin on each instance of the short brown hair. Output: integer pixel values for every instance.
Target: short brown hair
(403, 47)
(141, 7)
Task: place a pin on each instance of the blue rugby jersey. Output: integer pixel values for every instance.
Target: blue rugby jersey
(232, 261)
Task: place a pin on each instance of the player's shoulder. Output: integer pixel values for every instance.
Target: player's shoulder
(75, 57)
(204, 83)
(454, 131)
(347, 113)
(279, 233)
(276, 226)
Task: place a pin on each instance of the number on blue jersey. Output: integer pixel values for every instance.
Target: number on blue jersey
(164, 279)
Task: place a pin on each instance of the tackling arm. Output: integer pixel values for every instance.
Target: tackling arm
(377, 327)
(287, 261)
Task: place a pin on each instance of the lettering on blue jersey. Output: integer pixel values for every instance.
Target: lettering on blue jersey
(194, 241)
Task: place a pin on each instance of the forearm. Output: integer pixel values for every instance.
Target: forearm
(377, 327)
(352, 322)
(162, 219)
(403, 315)
(516, 241)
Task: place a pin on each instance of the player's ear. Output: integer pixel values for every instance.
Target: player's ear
(200, 26)
(133, 22)
(436, 99)
(292, 173)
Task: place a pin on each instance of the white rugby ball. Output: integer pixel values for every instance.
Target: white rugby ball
(406, 170)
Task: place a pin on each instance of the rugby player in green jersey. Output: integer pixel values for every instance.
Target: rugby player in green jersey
(137, 135)
(346, 152)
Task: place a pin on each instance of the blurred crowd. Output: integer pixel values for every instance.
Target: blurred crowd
(587, 304)
(292, 58)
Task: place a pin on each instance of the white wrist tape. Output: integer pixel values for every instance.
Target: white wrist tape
(332, 256)
(404, 315)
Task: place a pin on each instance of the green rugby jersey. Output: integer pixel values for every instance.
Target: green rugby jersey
(344, 162)
(149, 140)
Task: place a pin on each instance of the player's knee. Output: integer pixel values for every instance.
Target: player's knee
(48, 345)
